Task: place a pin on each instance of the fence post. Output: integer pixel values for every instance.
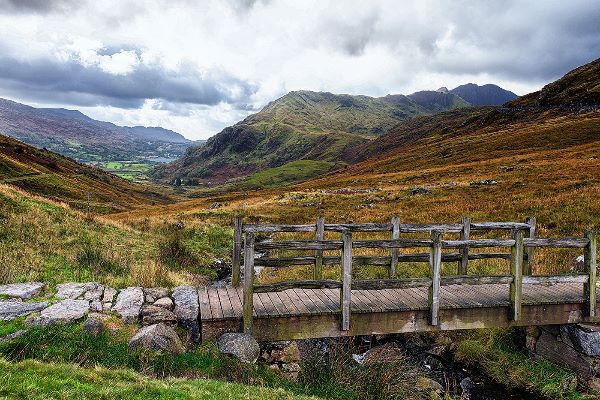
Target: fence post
(589, 260)
(463, 264)
(394, 252)
(248, 281)
(237, 251)
(435, 263)
(318, 271)
(516, 270)
(345, 292)
(528, 261)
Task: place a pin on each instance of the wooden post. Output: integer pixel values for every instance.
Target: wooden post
(435, 264)
(394, 252)
(516, 270)
(237, 251)
(345, 292)
(528, 261)
(318, 271)
(463, 264)
(248, 281)
(589, 261)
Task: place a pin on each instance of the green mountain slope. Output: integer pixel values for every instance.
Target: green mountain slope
(51, 175)
(301, 125)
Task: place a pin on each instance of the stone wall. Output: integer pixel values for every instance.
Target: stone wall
(70, 302)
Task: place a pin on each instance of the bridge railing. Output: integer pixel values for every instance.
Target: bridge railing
(520, 256)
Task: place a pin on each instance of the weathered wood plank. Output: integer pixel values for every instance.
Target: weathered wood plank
(516, 270)
(358, 227)
(284, 262)
(394, 251)
(529, 251)
(248, 282)
(390, 244)
(298, 302)
(589, 261)
(228, 311)
(478, 243)
(373, 284)
(485, 226)
(215, 303)
(205, 312)
(435, 271)
(554, 279)
(267, 303)
(237, 251)
(465, 233)
(300, 245)
(320, 231)
(346, 273)
(274, 228)
(304, 284)
(236, 302)
(558, 243)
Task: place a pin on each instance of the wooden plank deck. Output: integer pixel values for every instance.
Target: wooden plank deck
(305, 313)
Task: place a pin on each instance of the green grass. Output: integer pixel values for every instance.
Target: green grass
(292, 172)
(35, 380)
(495, 353)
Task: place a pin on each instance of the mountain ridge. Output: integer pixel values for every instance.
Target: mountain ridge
(76, 135)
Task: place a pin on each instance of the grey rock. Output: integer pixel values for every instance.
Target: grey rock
(241, 345)
(585, 338)
(429, 384)
(22, 290)
(153, 315)
(65, 311)
(153, 294)
(10, 310)
(157, 337)
(96, 305)
(386, 353)
(165, 302)
(109, 295)
(93, 325)
(186, 309)
(13, 335)
(129, 303)
(75, 290)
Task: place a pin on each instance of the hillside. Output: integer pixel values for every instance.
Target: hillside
(301, 125)
(51, 175)
(82, 138)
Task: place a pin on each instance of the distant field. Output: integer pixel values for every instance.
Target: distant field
(292, 172)
(131, 170)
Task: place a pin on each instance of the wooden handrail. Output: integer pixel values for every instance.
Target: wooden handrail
(520, 258)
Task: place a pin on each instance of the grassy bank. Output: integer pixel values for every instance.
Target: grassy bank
(36, 380)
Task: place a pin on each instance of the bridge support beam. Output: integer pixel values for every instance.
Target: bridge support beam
(516, 270)
(248, 282)
(345, 293)
(589, 260)
(435, 264)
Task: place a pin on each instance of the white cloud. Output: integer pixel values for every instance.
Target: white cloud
(240, 54)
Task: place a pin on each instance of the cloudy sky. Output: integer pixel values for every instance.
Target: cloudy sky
(198, 66)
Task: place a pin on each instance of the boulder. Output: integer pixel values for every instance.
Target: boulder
(153, 315)
(157, 337)
(109, 295)
(291, 370)
(65, 311)
(93, 325)
(241, 345)
(164, 302)
(10, 310)
(22, 290)
(13, 335)
(387, 353)
(585, 338)
(153, 294)
(75, 290)
(286, 352)
(186, 309)
(129, 303)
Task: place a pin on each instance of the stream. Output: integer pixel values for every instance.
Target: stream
(457, 379)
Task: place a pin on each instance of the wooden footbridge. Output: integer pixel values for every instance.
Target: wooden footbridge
(347, 307)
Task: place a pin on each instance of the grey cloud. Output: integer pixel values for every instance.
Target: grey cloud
(72, 83)
(351, 37)
(38, 6)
